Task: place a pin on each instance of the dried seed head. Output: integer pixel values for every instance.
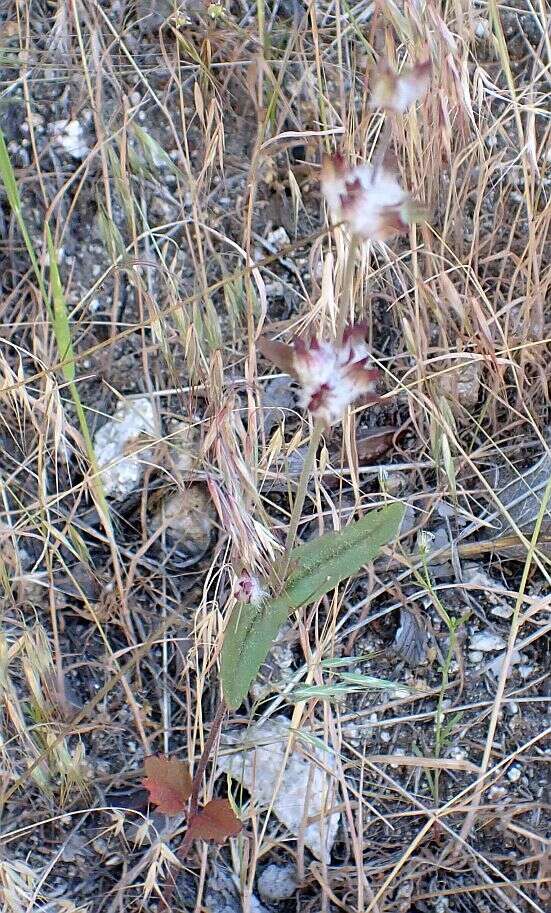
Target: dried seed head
(396, 92)
(331, 376)
(371, 200)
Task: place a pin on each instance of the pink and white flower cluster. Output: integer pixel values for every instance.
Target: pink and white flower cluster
(371, 200)
(248, 589)
(331, 375)
(396, 92)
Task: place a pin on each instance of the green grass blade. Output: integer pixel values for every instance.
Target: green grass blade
(57, 309)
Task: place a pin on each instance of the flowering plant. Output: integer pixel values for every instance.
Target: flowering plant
(370, 200)
(331, 375)
(396, 92)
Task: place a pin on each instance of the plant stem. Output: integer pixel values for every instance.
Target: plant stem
(204, 759)
(385, 139)
(346, 305)
(300, 496)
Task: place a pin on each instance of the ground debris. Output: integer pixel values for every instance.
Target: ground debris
(301, 787)
(222, 896)
(487, 642)
(188, 516)
(120, 446)
(410, 641)
(277, 882)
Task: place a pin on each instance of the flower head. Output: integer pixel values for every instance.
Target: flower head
(369, 199)
(396, 92)
(249, 589)
(331, 376)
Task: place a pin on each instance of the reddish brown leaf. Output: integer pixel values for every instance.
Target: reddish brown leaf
(216, 821)
(280, 354)
(168, 783)
(376, 443)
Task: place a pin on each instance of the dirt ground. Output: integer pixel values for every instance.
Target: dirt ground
(165, 161)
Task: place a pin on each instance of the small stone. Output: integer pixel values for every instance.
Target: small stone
(458, 753)
(475, 656)
(278, 238)
(188, 518)
(511, 707)
(496, 792)
(277, 882)
(496, 665)
(482, 28)
(526, 670)
(463, 382)
(502, 611)
(69, 134)
(487, 642)
(385, 736)
(514, 773)
(119, 446)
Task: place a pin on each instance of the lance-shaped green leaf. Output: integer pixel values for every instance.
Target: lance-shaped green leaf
(318, 567)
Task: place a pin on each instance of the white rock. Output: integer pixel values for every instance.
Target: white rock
(496, 665)
(487, 642)
(304, 791)
(69, 134)
(458, 753)
(514, 774)
(278, 238)
(475, 656)
(277, 882)
(119, 450)
(482, 28)
(502, 611)
(496, 792)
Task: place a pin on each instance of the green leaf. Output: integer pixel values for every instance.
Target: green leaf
(318, 567)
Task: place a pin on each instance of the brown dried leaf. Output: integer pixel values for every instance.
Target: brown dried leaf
(168, 783)
(216, 821)
(375, 444)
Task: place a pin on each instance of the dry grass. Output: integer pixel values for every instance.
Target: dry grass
(204, 134)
